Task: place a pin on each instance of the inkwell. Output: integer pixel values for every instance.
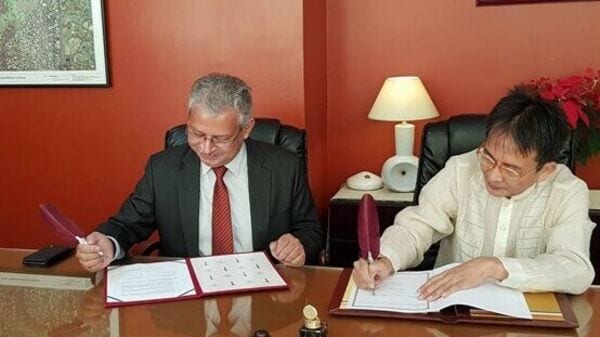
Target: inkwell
(313, 327)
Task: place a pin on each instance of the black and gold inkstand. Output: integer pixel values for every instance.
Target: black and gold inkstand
(313, 327)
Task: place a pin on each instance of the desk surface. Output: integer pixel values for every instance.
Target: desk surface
(27, 311)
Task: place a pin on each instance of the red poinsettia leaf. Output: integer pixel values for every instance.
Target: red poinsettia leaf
(558, 91)
(548, 95)
(584, 118)
(572, 111)
(571, 81)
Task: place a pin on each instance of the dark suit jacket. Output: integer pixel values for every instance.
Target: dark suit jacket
(167, 199)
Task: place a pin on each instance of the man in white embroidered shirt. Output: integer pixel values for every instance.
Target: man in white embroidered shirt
(507, 211)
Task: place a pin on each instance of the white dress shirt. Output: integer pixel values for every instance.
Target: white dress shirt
(236, 180)
(541, 236)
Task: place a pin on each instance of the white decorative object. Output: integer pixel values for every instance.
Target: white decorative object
(402, 99)
(364, 181)
(400, 173)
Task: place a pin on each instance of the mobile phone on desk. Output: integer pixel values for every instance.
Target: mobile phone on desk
(47, 256)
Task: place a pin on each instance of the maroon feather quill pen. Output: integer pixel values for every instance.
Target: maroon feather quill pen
(368, 228)
(64, 227)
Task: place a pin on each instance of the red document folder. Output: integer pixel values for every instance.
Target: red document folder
(563, 318)
(190, 278)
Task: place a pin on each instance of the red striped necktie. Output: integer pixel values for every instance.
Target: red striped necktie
(222, 233)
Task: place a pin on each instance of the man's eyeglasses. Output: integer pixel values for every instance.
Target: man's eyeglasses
(199, 137)
(488, 163)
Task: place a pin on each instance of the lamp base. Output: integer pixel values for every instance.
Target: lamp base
(399, 173)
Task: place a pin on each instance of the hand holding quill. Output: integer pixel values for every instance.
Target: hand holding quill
(63, 227)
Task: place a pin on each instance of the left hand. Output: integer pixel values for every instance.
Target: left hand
(465, 276)
(288, 250)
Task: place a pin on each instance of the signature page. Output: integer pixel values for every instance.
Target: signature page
(148, 282)
(397, 293)
(236, 272)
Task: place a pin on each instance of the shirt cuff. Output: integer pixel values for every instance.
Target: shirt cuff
(118, 251)
(391, 254)
(516, 274)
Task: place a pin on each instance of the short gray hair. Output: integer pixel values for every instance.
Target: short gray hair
(215, 92)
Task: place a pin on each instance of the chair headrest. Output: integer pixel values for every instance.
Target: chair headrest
(457, 135)
(267, 130)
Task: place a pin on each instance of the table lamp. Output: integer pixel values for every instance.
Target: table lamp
(403, 99)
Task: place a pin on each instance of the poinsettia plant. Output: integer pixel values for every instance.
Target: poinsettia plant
(579, 98)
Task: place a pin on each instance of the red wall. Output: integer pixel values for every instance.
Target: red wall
(84, 148)
(467, 57)
(315, 97)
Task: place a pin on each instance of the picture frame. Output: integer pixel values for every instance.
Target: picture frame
(53, 44)
(514, 2)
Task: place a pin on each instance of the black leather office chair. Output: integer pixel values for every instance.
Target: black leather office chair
(457, 135)
(268, 130)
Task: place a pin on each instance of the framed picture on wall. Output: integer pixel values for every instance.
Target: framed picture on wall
(53, 43)
(512, 2)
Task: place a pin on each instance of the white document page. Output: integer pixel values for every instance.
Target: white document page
(235, 272)
(398, 293)
(149, 281)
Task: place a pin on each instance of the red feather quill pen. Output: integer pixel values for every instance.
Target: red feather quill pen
(368, 228)
(64, 227)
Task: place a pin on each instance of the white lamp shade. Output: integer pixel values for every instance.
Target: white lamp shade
(403, 98)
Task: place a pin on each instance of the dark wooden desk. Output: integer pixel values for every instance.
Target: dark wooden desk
(28, 311)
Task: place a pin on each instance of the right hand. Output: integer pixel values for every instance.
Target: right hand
(288, 250)
(97, 253)
(369, 275)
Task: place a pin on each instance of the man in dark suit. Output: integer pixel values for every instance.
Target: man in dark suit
(219, 193)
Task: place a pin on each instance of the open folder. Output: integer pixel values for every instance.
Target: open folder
(545, 309)
(190, 278)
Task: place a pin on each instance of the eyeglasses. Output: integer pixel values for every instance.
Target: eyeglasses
(488, 163)
(222, 141)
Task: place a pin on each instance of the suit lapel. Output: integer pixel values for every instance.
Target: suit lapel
(189, 203)
(259, 189)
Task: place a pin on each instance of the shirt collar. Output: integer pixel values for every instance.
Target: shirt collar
(235, 166)
(525, 193)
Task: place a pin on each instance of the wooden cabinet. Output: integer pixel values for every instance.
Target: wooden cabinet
(342, 246)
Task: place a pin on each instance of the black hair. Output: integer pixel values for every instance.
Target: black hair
(534, 124)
